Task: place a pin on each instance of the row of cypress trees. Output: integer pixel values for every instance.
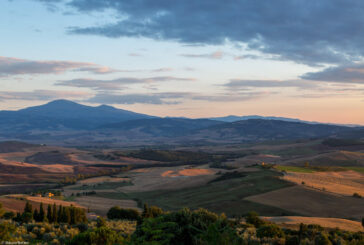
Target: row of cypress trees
(70, 215)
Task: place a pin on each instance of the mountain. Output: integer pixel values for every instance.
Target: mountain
(261, 129)
(161, 127)
(63, 115)
(67, 122)
(233, 118)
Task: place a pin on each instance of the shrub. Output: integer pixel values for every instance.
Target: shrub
(253, 218)
(9, 215)
(270, 230)
(121, 213)
(357, 195)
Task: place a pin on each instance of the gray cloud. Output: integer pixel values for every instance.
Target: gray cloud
(13, 66)
(118, 83)
(236, 84)
(45, 95)
(341, 74)
(310, 32)
(215, 55)
(105, 98)
(171, 98)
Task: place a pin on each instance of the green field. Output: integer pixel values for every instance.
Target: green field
(222, 196)
(103, 186)
(294, 169)
(312, 169)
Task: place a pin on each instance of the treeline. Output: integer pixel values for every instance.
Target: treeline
(155, 226)
(332, 142)
(68, 215)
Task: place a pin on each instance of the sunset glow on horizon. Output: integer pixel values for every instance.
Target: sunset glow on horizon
(192, 59)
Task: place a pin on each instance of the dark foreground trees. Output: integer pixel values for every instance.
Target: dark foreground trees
(69, 215)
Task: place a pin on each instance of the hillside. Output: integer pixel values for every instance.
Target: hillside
(63, 115)
(261, 130)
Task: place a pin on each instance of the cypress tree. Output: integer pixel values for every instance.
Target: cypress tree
(49, 213)
(54, 213)
(60, 214)
(67, 215)
(145, 213)
(36, 215)
(28, 207)
(41, 214)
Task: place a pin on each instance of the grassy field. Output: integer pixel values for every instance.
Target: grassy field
(312, 169)
(295, 221)
(294, 169)
(103, 186)
(221, 196)
(309, 202)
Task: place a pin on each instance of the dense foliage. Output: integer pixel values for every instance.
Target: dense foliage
(154, 226)
(69, 215)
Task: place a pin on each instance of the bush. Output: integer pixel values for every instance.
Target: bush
(270, 230)
(253, 218)
(121, 213)
(357, 195)
(9, 215)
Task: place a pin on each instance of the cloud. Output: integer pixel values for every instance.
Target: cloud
(105, 98)
(215, 55)
(118, 83)
(340, 74)
(172, 98)
(44, 95)
(309, 32)
(236, 84)
(14, 66)
(234, 97)
(135, 55)
(163, 69)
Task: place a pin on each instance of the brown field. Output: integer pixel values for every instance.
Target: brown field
(309, 202)
(344, 183)
(151, 179)
(102, 179)
(101, 205)
(294, 221)
(187, 172)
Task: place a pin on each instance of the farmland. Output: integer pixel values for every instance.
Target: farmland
(273, 179)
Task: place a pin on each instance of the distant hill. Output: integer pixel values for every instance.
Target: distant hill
(261, 129)
(63, 115)
(233, 118)
(161, 127)
(67, 122)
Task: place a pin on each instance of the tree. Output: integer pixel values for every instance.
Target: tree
(121, 213)
(27, 215)
(9, 215)
(49, 213)
(54, 213)
(60, 214)
(253, 218)
(270, 230)
(2, 211)
(100, 222)
(36, 215)
(41, 214)
(28, 207)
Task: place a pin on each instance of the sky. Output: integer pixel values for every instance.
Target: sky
(208, 58)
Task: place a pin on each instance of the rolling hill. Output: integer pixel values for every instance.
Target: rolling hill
(63, 121)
